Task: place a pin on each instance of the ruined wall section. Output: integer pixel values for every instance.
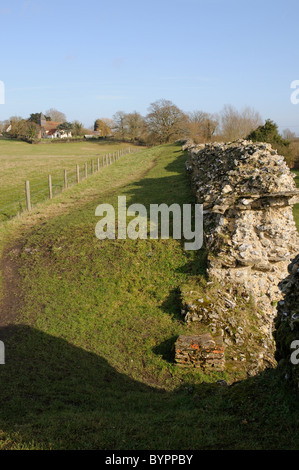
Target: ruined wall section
(248, 192)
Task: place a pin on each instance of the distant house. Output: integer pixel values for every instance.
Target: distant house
(49, 129)
(57, 134)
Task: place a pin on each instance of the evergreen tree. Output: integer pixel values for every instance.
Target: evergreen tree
(268, 133)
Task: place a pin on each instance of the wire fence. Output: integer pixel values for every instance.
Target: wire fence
(33, 193)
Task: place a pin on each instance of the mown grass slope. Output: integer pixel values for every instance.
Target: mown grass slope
(89, 358)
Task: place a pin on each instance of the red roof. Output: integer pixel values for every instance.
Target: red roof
(51, 131)
(50, 125)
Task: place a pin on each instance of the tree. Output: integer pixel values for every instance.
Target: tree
(4, 125)
(100, 125)
(202, 126)
(17, 127)
(135, 126)
(165, 121)
(268, 133)
(237, 125)
(108, 122)
(78, 129)
(120, 130)
(30, 131)
(23, 129)
(55, 115)
(35, 117)
(287, 134)
(65, 126)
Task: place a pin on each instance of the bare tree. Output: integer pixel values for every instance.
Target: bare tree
(120, 130)
(165, 121)
(288, 134)
(109, 122)
(135, 126)
(55, 115)
(202, 126)
(237, 125)
(250, 120)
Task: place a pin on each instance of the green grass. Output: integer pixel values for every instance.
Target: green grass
(89, 360)
(20, 161)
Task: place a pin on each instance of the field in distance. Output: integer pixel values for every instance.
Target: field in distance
(20, 161)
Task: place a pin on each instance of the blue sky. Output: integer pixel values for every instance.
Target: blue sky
(90, 60)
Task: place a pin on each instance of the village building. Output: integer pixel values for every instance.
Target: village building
(49, 129)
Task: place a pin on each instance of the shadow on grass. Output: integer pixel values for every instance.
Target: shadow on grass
(166, 349)
(172, 304)
(57, 396)
(50, 388)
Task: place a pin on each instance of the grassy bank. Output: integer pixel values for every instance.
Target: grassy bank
(89, 358)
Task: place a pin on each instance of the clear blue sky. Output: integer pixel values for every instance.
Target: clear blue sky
(91, 59)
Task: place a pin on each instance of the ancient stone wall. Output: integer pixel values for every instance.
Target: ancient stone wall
(287, 325)
(248, 193)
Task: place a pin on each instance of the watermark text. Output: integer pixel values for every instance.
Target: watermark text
(295, 94)
(184, 225)
(2, 353)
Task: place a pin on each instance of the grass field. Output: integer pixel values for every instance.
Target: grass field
(89, 358)
(20, 161)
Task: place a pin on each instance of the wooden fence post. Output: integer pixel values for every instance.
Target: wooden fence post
(78, 173)
(85, 167)
(92, 167)
(50, 187)
(27, 190)
(98, 163)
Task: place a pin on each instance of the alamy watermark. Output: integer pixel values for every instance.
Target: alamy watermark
(137, 228)
(2, 353)
(295, 94)
(2, 92)
(295, 354)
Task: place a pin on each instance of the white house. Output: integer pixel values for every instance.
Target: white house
(58, 134)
